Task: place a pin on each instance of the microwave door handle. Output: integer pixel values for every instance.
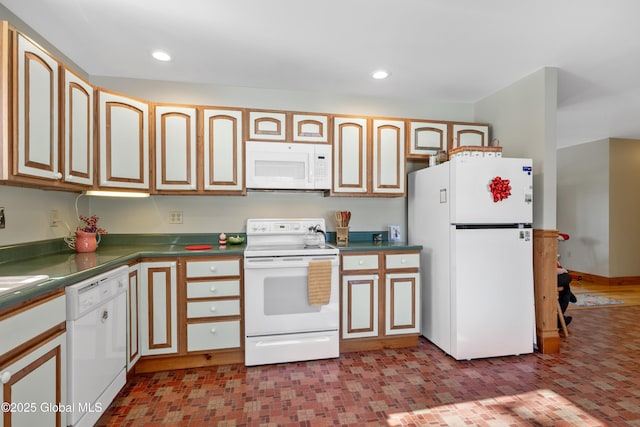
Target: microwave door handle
(310, 174)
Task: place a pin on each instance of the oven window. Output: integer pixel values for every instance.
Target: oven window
(287, 295)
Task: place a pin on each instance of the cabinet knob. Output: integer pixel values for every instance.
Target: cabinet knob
(361, 262)
(5, 377)
(403, 261)
(212, 268)
(213, 330)
(213, 289)
(57, 175)
(213, 308)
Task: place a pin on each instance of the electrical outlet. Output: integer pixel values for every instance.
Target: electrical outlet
(54, 218)
(2, 218)
(175, 217)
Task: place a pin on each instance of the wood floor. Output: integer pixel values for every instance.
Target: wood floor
(630, 294)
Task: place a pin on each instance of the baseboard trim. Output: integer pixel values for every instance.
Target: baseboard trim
(602, 280)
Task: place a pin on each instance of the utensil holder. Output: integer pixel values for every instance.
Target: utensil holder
(342, 236)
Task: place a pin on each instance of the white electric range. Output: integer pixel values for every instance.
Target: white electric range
(280, 324)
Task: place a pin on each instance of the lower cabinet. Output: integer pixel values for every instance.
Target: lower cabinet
(189, 312)
(33, 364)
(380, 299)
(213, 309)
(158, 308)
(133, 318)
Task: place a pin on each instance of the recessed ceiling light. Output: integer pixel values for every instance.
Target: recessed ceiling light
(161, 56)
(380, 74)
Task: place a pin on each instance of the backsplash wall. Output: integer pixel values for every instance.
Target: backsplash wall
(27, 212)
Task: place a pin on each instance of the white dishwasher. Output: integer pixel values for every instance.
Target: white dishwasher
(96, 343)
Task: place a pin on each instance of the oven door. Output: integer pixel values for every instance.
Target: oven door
(276, 297)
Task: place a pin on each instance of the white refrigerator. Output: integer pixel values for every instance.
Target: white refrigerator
(473, 217)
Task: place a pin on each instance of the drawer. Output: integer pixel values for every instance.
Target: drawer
(360, 262)
(211, 268)
(402, 261)
(213, 335)
(223, 288)
(27, 324)
(213, 308)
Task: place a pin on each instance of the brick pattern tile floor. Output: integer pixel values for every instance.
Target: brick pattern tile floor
(593, 381)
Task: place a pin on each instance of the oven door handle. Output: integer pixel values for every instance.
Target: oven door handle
(288, 262)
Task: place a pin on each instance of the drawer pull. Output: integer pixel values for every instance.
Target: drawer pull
(213, 289)
(5, 377)
(361, 262)
(213, 308)
(212, 268)
(213, 330)
(403, 261)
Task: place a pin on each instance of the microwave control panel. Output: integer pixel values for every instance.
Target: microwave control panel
(322, 163)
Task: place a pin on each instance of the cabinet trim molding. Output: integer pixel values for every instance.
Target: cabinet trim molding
(55, 354)
(392, 282)
(151, 314)
(372, 320)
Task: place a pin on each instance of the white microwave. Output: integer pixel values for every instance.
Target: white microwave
(288, 166)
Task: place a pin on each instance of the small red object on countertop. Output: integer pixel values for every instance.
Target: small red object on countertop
(198, 247)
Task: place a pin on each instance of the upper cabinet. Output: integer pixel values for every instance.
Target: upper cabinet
(77, 129)
(388, 148)
(350, 151)
(267, 125)
(58, 131)
(175, 148)
(223, 154)
(35, 111)
(123, 142)
(368, 163)
(310, 128)
(426, 138)
(470, 135)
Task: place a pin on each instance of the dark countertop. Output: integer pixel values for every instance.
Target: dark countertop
(382, 246)
(65, 267)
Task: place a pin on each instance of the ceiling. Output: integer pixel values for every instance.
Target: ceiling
(437, 50)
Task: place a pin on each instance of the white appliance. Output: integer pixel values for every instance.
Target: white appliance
(477, 260)
(288, 166)
(97, 341)
(280, 324)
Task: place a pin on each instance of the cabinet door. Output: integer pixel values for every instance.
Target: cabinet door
(267, 126)
(36, 105)
(402, 298)
(470, 135)
(133, 324)
(78, 130)
(223, 156)
(34, 383)
(359, 306)
(123, 142)
(175, 148)
(158, 308)
(310, 128)
(388, 156)
(349, 155)
(426, 138)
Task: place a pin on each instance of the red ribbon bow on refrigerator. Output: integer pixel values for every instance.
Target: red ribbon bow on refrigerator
(500, 189)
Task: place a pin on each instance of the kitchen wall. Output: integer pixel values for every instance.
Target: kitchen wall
(523, 119)
(27, 213)
(599, 207)
(583, 207)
